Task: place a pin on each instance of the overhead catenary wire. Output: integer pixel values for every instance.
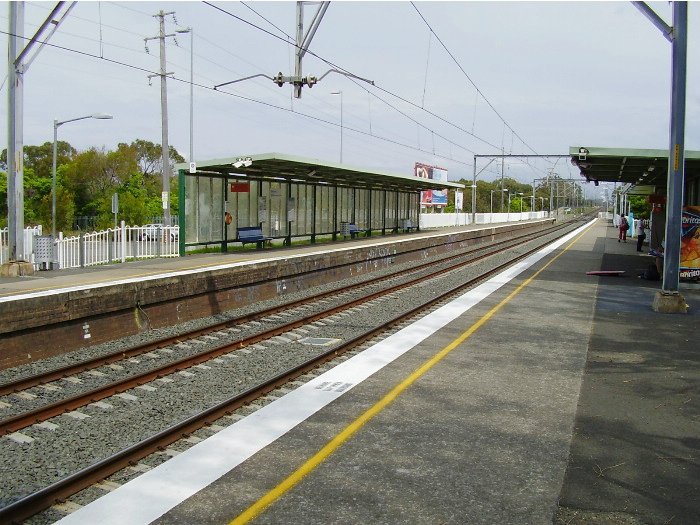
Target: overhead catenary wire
(470, 79)
(336, 66)
(248, 99)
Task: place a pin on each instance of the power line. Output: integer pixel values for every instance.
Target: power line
(469, 78)
(248, 99)
(336, 66)
(266, 20)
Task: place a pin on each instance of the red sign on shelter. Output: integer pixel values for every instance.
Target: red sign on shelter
(240, 187)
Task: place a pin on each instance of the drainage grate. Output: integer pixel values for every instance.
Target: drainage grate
(319, 341)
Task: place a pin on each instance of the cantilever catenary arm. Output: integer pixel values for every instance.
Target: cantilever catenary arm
(346, 74)
(242, 79)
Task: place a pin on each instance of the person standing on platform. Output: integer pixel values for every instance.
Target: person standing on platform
(641, 233)
(624, 225)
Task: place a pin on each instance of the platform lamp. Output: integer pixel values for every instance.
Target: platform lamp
(521, 205)
(56, 124)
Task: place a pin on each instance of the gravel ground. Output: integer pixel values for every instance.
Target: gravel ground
(79, 441)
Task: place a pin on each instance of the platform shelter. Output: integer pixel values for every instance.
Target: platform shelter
(291, 197)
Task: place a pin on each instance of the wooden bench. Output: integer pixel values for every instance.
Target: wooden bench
(252, 234)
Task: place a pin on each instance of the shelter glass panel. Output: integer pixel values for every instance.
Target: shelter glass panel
(391, 209)
(192, 208)
(377, 211)
(323, 206)
(209, 210)
(361, 208)
(344, 205)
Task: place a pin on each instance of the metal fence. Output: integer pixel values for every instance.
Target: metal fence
(104, 247)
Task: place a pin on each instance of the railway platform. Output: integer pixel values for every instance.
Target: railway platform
(89, 306)
(543, 394)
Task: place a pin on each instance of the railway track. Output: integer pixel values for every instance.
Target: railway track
(28, 505)
(25, 383)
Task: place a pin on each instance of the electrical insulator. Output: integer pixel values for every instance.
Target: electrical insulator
(311, 81)
(279, 79)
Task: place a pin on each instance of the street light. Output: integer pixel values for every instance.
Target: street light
(341, 122)
(191, 32)
(473, 187)
(492, 192)
(56, 124)
(521, 205)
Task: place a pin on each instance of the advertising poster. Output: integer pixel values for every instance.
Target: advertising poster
(432, 197)
(690, 243)
(459, 201)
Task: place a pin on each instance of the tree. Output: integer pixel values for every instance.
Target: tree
(40, 158)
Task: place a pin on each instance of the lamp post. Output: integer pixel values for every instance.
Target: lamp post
(341, 122)
(56, 125)
(521, 205)
(492, 192)
(473, 187)
(191, 32)
(508, 219)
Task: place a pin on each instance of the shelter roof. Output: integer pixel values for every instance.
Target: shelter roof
(276, 166)
(644, 169)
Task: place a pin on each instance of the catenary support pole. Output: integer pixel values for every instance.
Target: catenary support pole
(676, 161)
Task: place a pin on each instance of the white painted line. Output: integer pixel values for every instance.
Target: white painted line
(151, 495)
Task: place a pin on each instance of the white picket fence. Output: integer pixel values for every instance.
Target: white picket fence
(103, 247)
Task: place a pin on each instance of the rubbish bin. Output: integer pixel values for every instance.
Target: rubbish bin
(43, 252)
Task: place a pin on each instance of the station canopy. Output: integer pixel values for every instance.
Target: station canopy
(286, 168)
(643, 169)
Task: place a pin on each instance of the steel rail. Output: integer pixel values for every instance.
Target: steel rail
(83, 366)
(58, 491)
(40, 414)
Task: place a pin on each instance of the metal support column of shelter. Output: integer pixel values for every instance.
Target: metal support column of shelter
(669, 299)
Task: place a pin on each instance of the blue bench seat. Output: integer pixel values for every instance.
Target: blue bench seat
(252, 234)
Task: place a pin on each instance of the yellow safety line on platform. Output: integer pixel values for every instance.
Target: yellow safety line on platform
(293, 479)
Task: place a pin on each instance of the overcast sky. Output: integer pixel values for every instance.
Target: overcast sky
(559, 74)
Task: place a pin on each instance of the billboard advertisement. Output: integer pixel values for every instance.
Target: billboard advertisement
(432, 197)
(690, 243)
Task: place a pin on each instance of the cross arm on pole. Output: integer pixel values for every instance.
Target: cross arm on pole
(655, 19)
